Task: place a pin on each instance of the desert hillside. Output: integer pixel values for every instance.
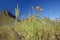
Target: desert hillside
(33, 28)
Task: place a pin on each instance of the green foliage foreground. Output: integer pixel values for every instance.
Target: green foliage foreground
(30, 29)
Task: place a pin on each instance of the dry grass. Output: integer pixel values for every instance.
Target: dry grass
(30, 29)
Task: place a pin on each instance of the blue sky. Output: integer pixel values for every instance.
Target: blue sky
(51, 8)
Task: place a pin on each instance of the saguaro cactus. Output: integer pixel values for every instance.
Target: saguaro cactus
(17, 11)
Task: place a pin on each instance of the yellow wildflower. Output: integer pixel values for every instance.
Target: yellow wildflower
(37, 8)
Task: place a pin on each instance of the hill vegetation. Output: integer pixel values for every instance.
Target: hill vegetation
(33, 28)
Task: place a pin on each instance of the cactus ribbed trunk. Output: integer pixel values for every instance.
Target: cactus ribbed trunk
(17, 11)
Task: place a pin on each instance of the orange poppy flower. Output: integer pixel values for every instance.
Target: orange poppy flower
(32, 17)
(41, 9)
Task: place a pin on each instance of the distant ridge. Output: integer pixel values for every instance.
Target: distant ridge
(6, 17)
(8, 13)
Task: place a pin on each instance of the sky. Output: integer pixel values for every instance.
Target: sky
(51, 8)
